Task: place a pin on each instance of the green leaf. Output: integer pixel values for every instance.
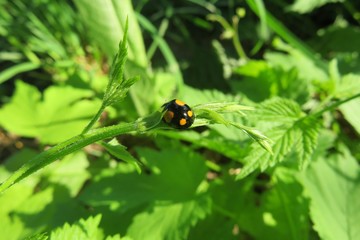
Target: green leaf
(306, 6)
(221, 228)
(168, 221)
(44, 209)
(82, 229)
(195, 96)
(71, 172)
(275, 81)
(119, 151)
(333, 186)
(290, 132)
(33, 211)
(338, 38)
(281, 212)
(20, 201)
(17, 159)
(10, 72)
(307, 68)
(307, 143)
(39, 236)
(12, 226)
(168, 180)
(62, 113)
(261, 207)
(288, 36)
(106, 23)
(173, 185)
(351, 111)
(279, 110)
(285, 205)
(116, 237)
(347, 87)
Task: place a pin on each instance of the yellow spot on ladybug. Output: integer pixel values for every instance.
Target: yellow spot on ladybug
(169, 115)
(180, 103)
(190, 113)
(182, 122)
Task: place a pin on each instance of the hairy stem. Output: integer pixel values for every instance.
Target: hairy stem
(65, 148)
(94, 119)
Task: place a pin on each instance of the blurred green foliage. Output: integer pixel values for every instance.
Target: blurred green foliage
(296, 64)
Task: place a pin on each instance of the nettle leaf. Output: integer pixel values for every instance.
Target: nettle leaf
(333, 185)
(280, 111)
(38, 236)
(31, 210)
(290, 132)
(171, 189)
(285, 206)
(306, 144)
(63, 112)
(231, 142)
(12, 226)
(176, 176)
(195, 96)
(281, 211)
(82, 229)
(70, 172)
(168, 221)
(117, 237)
(19, 198)
(24, 211)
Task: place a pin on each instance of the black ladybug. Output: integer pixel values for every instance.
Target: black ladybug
(178, 114)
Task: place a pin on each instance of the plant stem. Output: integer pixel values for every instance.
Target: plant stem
(236, 40)
(94, 119)
(334, 105)
(65, 148)
(161, 32)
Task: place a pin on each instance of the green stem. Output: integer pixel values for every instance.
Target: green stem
(334, 105)
(236, 41)
(94, 119)
(141, 125)
(161, 32)
(221, 20)
(65, 148)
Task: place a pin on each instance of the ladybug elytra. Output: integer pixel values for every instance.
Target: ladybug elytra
(178, 114)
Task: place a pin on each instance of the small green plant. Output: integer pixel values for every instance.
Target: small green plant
(111, 166)
(116, 91)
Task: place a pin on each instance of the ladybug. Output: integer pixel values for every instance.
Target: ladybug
(178, 114)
